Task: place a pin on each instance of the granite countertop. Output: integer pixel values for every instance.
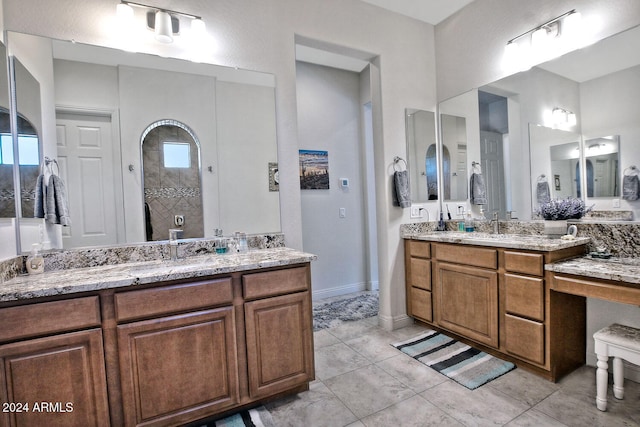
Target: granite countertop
(616, 269)
(139, 273)
(512, 241)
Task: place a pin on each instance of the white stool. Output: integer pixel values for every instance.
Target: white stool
(619, 342)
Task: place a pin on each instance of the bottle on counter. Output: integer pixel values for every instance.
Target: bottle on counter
(35, 261)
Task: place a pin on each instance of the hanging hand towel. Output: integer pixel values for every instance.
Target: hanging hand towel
(57, 208)
(478, 190)
(402, 195)
(543, 194)
(630, 187)
(40, 197)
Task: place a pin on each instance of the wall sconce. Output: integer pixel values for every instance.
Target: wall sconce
(164, 23)
(563, 118)
(546, 41)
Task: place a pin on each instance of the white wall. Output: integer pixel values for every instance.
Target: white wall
(247, 140)
(261, 36)
(329, 120)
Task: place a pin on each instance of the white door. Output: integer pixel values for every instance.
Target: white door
(87, 158)
(492, 161)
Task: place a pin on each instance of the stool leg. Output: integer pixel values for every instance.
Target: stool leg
(618, 378)
(602, 377)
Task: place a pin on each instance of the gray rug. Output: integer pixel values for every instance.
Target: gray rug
(331, 314)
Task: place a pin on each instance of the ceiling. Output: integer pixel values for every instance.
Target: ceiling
(431, 11)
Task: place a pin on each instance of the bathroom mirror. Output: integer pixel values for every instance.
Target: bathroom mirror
(113, 96)
(421, 155)
(555, 162)
(599, 83)
(602, 166)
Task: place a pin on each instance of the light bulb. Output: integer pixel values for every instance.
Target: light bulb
(163, 30)
(124, 12)
(198, 27)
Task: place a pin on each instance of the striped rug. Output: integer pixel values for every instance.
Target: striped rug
(465, 365)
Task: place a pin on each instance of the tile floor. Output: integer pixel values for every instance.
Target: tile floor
(361, 380)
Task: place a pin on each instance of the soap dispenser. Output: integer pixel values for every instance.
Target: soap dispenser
(35, 261)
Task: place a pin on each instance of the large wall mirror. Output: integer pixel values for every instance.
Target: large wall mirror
(98, 102)
(600, 84)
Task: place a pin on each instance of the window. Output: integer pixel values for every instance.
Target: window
(176, 154)
(28, 146)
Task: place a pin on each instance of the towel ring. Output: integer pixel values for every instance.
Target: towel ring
(542, 178)
(631, 170)
(397, 160)
(47, 165)
(477, 168)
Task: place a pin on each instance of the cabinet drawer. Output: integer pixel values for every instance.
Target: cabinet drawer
(460, 254)
(419, 249)
(420, 273)
(421, 304)
(524, 296)
(172, 299)
(525, 338)
(522, 262)
(277, 282)
(49, 317)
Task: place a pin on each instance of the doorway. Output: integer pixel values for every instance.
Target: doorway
(339, 223)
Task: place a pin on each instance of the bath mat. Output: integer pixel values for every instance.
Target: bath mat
(256, 417)
(331, 314)
(465, 365)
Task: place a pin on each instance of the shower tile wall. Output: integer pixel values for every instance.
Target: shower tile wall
(171, 191)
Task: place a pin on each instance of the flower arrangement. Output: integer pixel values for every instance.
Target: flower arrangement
(563, 209)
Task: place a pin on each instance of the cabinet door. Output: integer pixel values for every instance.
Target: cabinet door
(467, 302)
(178, 369)
(61, 378)
(279, 343)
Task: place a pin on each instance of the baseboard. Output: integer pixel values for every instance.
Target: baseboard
(373, 286)
(631, 371)
(390, 323)
(338, 290)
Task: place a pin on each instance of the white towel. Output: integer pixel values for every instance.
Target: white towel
(478, 190)
(402, 196)
(56, 208)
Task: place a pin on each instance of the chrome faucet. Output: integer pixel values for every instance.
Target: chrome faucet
(496, 223)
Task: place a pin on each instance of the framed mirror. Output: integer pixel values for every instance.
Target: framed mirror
(98, 103)
(422, 155)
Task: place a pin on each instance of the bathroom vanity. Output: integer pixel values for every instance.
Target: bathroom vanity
(156, 343)
(493, 292)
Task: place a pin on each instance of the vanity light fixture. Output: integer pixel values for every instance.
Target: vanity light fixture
(165, 23)
(543, 42)
(563, 118)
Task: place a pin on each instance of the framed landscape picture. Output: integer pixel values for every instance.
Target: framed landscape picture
(314, 170)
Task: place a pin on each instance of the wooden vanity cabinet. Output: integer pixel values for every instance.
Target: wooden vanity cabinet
(53, 369)
(418, 273)
(279, 331)
(501, 299)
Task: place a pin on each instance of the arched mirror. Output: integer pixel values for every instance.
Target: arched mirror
(172, 180)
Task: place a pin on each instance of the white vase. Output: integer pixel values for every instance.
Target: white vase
(555, 228)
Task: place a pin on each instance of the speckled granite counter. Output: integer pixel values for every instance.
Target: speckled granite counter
(616, 269)
(512, 241)
(138, 273)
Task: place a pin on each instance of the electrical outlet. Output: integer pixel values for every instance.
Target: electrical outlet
(417, 211)
(616, 203)
(342, 213)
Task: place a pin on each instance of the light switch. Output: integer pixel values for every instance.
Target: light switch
(343, 213)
